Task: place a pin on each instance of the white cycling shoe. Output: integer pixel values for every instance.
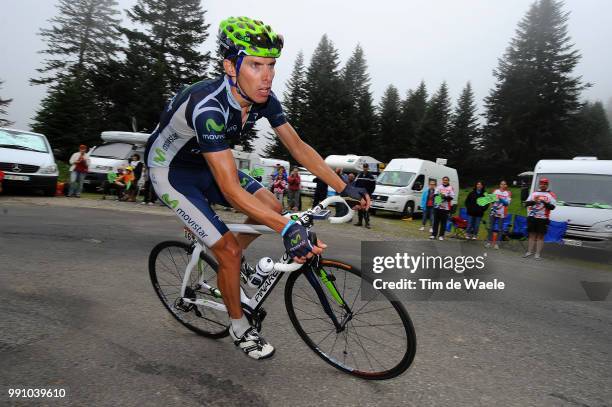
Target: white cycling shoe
(253, 344)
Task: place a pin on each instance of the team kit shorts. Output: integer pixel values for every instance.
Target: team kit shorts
(190, 193)
(537, 225)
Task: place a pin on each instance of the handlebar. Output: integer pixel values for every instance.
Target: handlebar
(287, 268)
(330, 200)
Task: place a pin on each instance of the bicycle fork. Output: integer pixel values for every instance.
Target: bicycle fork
(328, 281)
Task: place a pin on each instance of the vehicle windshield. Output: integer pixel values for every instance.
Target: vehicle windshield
(395, 178)
(581, 189)
(22, 141)
(118, 151)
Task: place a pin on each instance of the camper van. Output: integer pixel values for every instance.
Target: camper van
(400, 185)
(115, 152)
(352, 163)
(583, 187)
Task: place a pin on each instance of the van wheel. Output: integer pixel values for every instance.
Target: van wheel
(408, 210)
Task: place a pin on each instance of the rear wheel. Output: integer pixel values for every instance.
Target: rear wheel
(408, 210)
(167, 264)
(377, 340)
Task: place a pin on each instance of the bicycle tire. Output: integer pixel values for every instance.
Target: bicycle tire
(293, 293)
(183, 249)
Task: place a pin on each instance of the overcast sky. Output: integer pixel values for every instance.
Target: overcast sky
(404, 41)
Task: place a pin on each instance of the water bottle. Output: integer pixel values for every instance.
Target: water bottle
(263, 268)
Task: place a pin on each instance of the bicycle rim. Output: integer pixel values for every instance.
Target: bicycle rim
(377, 343)
(167, 264)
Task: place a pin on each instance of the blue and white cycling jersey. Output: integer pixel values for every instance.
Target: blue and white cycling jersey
(203, 118)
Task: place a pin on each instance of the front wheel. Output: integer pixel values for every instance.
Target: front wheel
(376, 340)
(167, 265)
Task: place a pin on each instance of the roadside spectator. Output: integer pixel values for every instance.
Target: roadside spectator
(427, 205)
(351, 178)
(148, 192)
(293, 192)
(320, 192)
(475, 212)
(137, 166)
(109, 184)
(443, 197)
(539, 204)
(125, 182)
(79, 165)
(365, 179)
(279, 186)
(499, 210)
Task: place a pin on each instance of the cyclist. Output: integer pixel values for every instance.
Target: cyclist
(191, 164)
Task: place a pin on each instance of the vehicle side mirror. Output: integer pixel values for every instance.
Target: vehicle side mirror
(417, 186)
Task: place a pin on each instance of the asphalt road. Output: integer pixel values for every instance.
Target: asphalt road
(77, 311)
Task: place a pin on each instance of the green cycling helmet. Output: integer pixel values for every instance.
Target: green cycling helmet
(245, 36)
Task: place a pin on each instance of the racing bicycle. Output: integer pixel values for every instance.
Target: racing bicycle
(371, 338)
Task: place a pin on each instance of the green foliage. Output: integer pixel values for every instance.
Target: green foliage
(464, 132)
(533, 104)
(592, 133)
(321, 127)
(4, 103)
(432, 139)
(411, 119)
(82, 35)
(161, 56)
(389, 125)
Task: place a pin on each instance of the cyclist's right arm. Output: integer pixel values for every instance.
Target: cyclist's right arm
(224, 170)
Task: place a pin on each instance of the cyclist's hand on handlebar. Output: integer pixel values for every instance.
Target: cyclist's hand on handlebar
(316, 250)
(295, 239)
(357, 193)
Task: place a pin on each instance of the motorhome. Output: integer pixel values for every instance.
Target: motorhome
(583, 187)
(115, 152)
(27, 161)
(400, 185)
(352, 163)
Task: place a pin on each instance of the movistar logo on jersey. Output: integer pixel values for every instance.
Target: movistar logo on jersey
(243, 181)
(173, 203)
(160, 156)
(211, 125)
(296, 240)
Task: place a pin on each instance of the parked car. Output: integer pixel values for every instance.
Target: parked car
(27, 161)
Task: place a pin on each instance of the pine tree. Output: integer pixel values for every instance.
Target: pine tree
(412, 113)
(293, 106)
(82, 35)
(322, 109)
(592, 135)
(162, 54)
(4, 103)
(532, 106)
(389, 128)
(359, 116)
(432, 140)
(66, 116)
(464, 131)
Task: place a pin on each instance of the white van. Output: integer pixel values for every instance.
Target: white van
(27, 161)
(116, 151)
(400, 185)
(584, 185)
(307, 184)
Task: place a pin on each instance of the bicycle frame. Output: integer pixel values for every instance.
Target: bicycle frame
(283, 265)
